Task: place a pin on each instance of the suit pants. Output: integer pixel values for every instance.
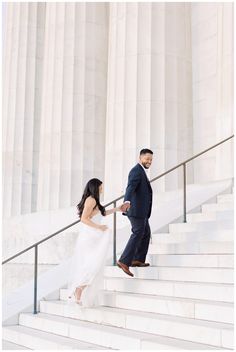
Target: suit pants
(137, 246)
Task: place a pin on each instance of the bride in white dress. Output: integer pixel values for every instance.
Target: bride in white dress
(85, 277)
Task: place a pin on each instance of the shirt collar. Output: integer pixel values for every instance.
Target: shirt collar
(143, 167)
(146, 170)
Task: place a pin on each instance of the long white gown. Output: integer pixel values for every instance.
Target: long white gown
(88, 262)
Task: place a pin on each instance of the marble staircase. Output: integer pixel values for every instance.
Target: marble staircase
(184, 300)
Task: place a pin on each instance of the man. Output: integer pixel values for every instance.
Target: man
(138, 205)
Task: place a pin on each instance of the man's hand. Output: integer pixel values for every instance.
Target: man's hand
(125, 206)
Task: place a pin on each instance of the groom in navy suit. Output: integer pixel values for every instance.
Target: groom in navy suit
(138, 206)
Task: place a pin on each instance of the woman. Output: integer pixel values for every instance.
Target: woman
(86, 272)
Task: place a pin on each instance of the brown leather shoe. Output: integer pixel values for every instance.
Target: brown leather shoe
(138, 263)
(125, 268)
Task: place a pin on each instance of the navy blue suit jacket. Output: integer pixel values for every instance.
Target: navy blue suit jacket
(139, 193)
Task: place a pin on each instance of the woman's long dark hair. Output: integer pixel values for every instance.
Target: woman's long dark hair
(91, 189)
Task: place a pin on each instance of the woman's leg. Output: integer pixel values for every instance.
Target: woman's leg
(78, 292)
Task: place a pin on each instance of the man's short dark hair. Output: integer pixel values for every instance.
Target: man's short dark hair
(145, 151)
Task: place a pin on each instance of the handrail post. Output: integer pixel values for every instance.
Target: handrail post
(114, 235)
(35, 278)
(184, 189)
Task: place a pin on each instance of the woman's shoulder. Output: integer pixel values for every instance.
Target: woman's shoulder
(90, 200)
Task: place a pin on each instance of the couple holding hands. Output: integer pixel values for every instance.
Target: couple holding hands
(88, 261)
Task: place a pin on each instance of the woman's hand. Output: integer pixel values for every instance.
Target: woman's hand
(103, 227)
(123, 207)
(119, 208)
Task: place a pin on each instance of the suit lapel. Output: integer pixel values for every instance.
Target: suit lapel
(145, 176)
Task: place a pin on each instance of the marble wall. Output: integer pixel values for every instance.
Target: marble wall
(149, 102)
(212, 71)
(87, 85)
(55, 65)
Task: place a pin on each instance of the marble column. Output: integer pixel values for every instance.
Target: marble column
(149, 90)
(10, 57)
(74, 102)
(212, 52)
(87, 85)
(22, 91)
(178, 92)
(54, 113)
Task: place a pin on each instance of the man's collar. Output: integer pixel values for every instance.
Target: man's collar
(145, 170)
(142, 167)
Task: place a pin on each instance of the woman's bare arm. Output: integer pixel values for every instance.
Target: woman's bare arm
(111, 211)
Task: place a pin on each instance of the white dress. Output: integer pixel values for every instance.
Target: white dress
(88, 262)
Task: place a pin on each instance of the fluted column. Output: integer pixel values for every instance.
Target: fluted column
(224, 167)
(20, 112)
(87, 85)
(178, 91)
(22, 90)
(149, 90)
(38, 91)
(212, 41)
(47, 106)
(67, 97)
(10, 58)
(33, 87)
(90, 94)
(55, 76)
(74, 101)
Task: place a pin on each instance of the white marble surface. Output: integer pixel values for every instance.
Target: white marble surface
(207, 332)
(57, 275)
(55, 73)
(212, 69)
(87, 85)
(184, 293)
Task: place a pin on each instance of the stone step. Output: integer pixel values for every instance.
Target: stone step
(195, 290)
(40, 340)
(210, 216)
(218, 206)
(192, 260)
(194, 236)
(182, 307)
(203, 226)
(221, 198)
(6, 345)
(193, 247)
(195, 330)
(108, 336)
(217, 275)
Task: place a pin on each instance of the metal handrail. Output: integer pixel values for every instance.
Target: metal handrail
(114, 202)
(41, 241)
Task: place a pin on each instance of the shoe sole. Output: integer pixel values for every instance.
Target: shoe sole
(140, 266)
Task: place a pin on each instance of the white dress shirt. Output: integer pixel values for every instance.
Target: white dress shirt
(144, 170)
